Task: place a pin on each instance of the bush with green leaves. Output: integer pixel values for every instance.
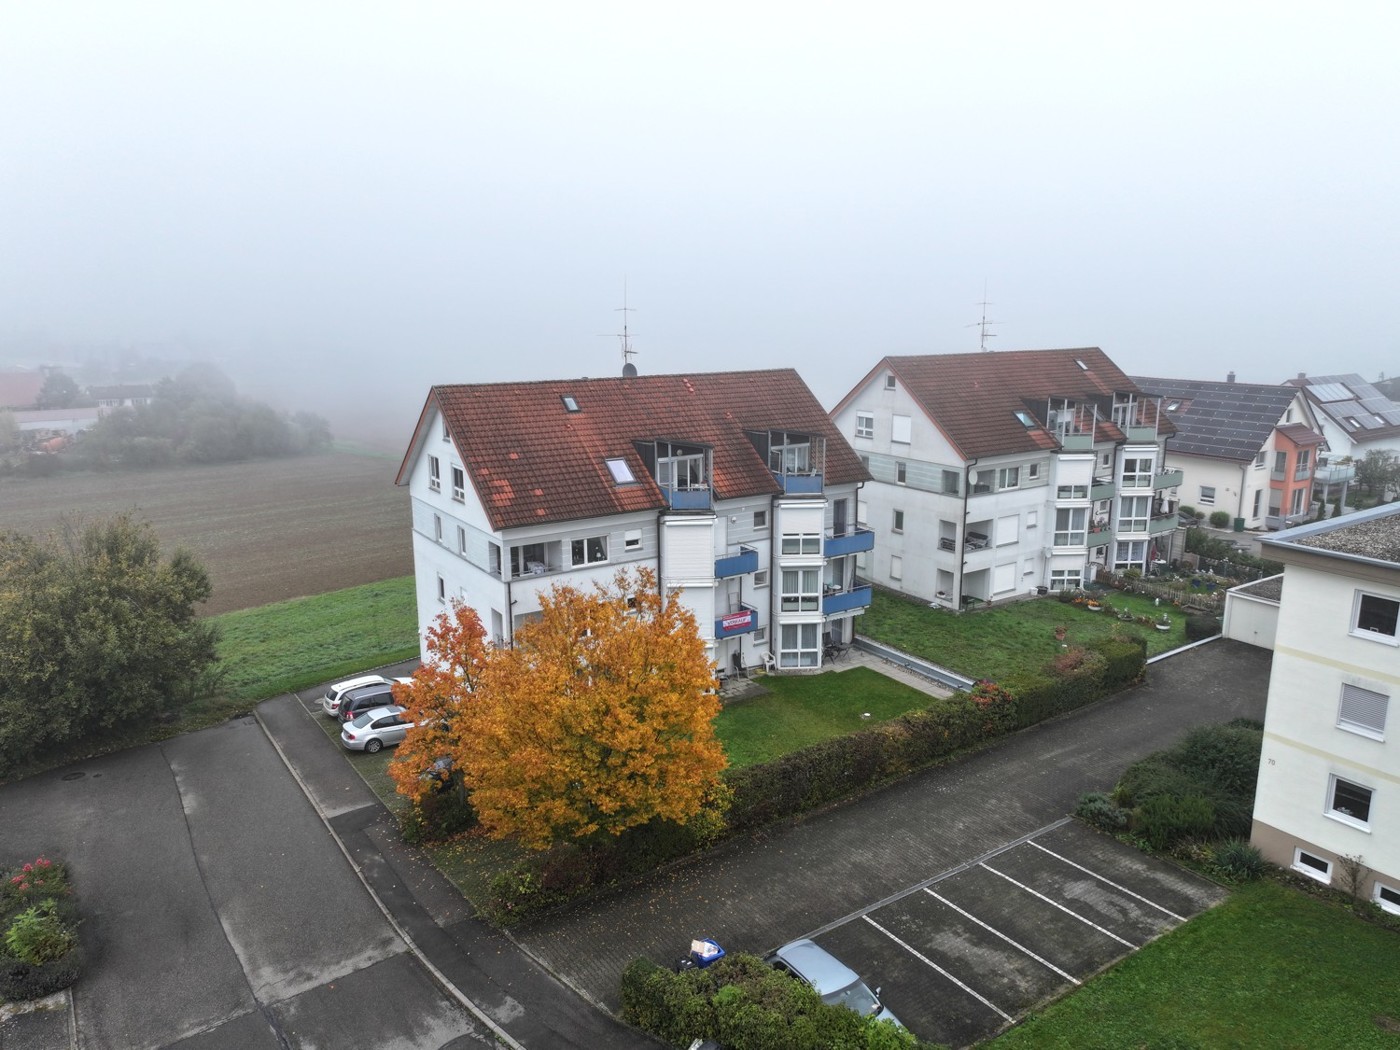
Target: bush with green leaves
(1219, 518)
(1168, 820)
(1098, 809)
(39, 949)
(39, 935)
(1237, 859)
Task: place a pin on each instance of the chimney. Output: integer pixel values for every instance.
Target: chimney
(1302, 375)
(1229, 377)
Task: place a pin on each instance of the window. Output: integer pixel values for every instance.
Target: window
(441, 589)
(950, 482)
(620, 471)
(896, 567)
(1009, 478)
(1280, 462)
(802, 543)
(1375, 617)
(1032, 471)
(1071, 526)
(434, 474)
(1388, 897)
(864, 460)
(632, 540)
(570, 404)
(1137, 472)
(1304, 458)
(802, 590)
(589, 551)
(898, 521)
(1207, 495)
(1258, 501)
(1072, 492)
(901, 427)
(1260, 459)
(1134, 513)
(445, 435)
(1130, 554)
(794, 458)
(1350, 803)
(1024, 418)
(865, 425)
(760, 519)
(801, 645)
(1312, 866)
(901, 472)
(687, 473)
(528, 558)
(437, 527)
(459, 485)
(1363, 711)
(1066, 579)
(760, 578)
(1300, 501)
(760, 635)
(493, 559)
(461, 540)
(1106, 459)
(889, 381)
(1031, 518)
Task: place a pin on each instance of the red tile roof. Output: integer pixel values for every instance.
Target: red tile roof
(974, 398)
(532, 461)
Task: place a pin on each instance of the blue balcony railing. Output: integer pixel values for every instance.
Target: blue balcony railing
(687, 499)
(744, 621)
(745, 561)
(799, 484)
(845, 601)
(853, 541)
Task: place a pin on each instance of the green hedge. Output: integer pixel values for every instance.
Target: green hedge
(746, 1005)
(825, 772)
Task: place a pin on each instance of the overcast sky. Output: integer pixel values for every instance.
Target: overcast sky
(381, 197)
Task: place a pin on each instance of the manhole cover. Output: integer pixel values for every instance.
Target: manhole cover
(74, 776)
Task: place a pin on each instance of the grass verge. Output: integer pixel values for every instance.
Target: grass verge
(1270, 967)
(1007, 639)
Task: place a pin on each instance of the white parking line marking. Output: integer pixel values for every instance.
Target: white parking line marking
(1110, 882)
(929, 962)
(1057, 904)
(1019, 947)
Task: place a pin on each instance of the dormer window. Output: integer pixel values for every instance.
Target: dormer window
(620, 471)
(570, 405)
(1025, 419)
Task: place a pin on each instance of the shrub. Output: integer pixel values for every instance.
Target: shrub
(1219, 518)
(20, 980)
(1225, 757)
(1166, 820)
(39, 935)
(35, 880)
(1188, 511)
(1150, 778)
(1200, 626)
(1097, 809)
(1237, 859)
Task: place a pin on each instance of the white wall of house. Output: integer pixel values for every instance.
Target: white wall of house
(1308, 744)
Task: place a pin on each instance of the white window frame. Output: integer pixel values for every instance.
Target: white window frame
(1261, 458)
(901, 429)
(760, 578)
(437, 527)
(800, 645)
(897, 525)
(1357, 631)
(760, 519)
(1207, 496)
(632, 540)
(1139, 476)
(621, 471)
(588, 550)
(1363, 705)
(1300, 501)
(802, 590)
(434, 474)
(1075, 532)
(1322, 875)
(865, 424)
(1340, 814)
(459, 484)
(800, 543)
(1134, 513)
(1066, 492)
(1066, 579)
(1389, 903)
(889, 381)
(441, 589)
(1032, 471)
(1008, 478)
(461, 539)
(901, 472)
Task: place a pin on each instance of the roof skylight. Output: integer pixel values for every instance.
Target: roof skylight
(1025, 418)
(569, 403)
(620, 471)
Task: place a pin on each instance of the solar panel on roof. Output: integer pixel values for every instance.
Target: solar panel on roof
(1331, 392)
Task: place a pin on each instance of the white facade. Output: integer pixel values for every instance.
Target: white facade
(1329, 778)
(765, 576)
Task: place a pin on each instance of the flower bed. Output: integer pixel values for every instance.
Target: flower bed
(39, 951)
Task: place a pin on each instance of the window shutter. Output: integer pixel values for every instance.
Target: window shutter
(1363, 709)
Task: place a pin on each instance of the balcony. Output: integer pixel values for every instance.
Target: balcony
(745, 561)
(1302, 473)
(1160, 523)
(1334, 473)
(799, 484)
(855, 540)
(1102, 488)
(692, 498)
(1138, 432)
(1075, 442)
(745, 621)
(1099, 536)
(844, 601)
(1167, 479)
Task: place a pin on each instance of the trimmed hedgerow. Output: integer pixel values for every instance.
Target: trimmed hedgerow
(746, 1005)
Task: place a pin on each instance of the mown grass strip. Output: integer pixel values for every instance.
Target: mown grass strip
(1270, 967)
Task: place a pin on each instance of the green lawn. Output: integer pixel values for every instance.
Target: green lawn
(993, 643)
(1271, 967)
(290, 645)
(801, 710)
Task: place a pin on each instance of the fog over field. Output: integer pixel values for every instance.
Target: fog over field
(342, 204)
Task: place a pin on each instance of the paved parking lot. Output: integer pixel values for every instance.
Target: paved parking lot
(968, 952)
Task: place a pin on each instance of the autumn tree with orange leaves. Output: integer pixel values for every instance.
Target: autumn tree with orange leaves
(599, 719)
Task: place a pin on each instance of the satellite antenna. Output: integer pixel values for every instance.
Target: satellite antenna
(624, 336)
(982, 324)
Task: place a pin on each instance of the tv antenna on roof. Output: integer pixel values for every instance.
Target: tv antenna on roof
(982, 324)
(624, 336)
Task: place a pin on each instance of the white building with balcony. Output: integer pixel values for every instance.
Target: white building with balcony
(995, 474)
(733, 487)
(1329, 774)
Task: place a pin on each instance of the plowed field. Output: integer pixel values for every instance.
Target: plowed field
(266, 531)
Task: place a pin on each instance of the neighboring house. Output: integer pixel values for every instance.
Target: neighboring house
(52, 421)
(1329, 775)
(121, 396)
(1354, 415)
(996, 474)
(20, 389)
(1247, 449)
(734, 487)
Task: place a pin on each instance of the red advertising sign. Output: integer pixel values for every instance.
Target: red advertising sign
(736, 621)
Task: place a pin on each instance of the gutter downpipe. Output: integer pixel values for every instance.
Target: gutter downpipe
(962, 540)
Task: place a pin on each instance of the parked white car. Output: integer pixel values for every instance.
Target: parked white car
(383, 727)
